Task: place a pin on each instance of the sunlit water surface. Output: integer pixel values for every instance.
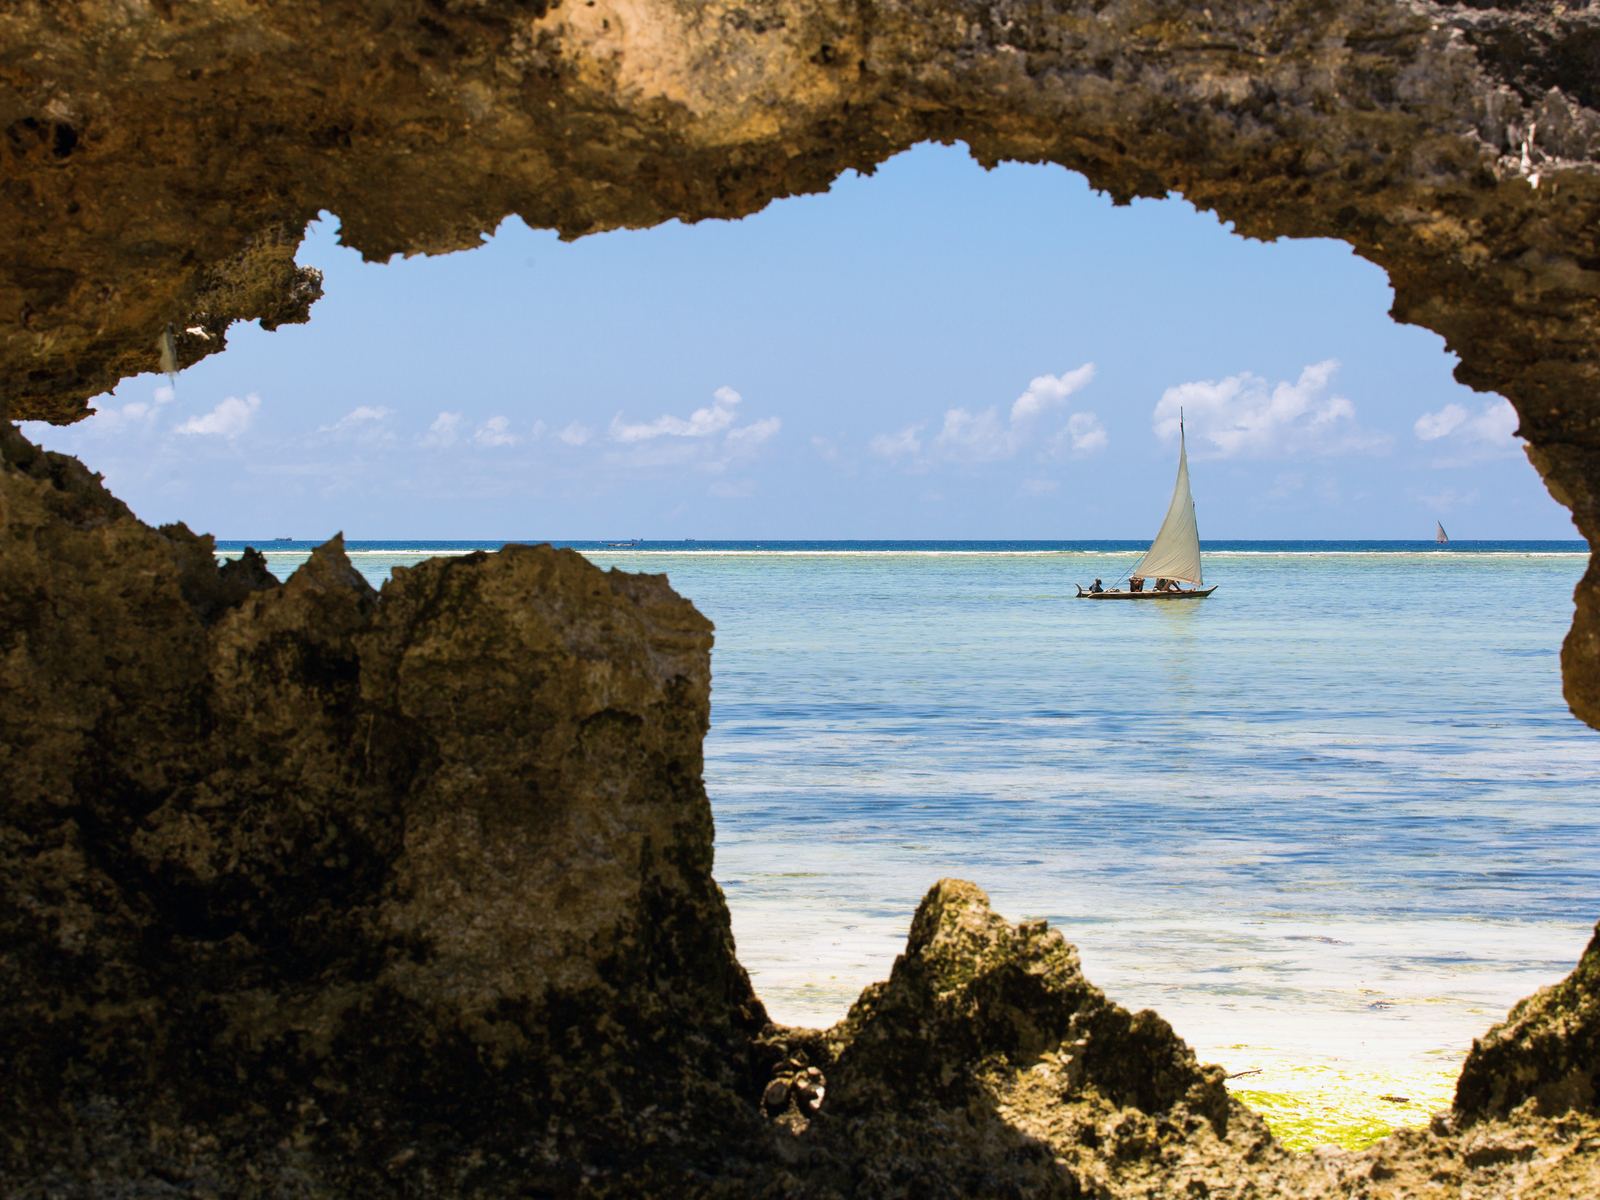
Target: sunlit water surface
(1335, 817)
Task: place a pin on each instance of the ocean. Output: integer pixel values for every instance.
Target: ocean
(1330, 822)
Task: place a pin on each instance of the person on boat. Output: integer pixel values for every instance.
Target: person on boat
(1095, 588)
(1136, 584)
(1163, 584)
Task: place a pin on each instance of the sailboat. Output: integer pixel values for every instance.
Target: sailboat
(1443, 536)
(1175, 554)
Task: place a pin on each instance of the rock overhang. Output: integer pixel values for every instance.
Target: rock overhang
(149, 149)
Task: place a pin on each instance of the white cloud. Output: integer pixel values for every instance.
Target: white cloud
(358, 416)
(895, 446)
(733, 491)
(703, 422)
(1084, 431)
(109, 420)
(974, 437)
(575, 434)
(364, 424)
(442, 432)
(1049, 391)
(1430, 426)
(986, 436)
(1488, 433)
(129, 417)
(708, 441)
(496, 431)
(228, 419)
(1239, 417)
(751, 436)
(1039, 487)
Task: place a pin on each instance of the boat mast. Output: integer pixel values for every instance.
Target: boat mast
(1175, 553)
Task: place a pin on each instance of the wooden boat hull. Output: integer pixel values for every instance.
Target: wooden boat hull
(1193, 594)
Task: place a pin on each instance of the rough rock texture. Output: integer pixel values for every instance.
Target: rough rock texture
(308, 892)
(1545, 1057)
(988, 1065)
(159, 157)
(300, 885)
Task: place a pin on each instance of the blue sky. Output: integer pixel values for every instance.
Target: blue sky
(934, 351)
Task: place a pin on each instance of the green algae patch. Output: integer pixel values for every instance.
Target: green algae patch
(1349, 1105)
(1302, 1125)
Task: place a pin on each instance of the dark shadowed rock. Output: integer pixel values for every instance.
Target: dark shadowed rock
(365, 896)
(973, 993)
(988, 1065)
(1547, 1051)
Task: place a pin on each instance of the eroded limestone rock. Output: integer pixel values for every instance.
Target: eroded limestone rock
(1545, 1056)
(988, 1065)
(376, 897)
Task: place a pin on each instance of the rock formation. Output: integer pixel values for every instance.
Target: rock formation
(311, 892)
(1545, 1057)
(302, 884)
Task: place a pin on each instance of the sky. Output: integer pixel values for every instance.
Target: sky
(933, 351)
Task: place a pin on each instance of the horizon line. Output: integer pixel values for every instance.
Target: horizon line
(624, 543)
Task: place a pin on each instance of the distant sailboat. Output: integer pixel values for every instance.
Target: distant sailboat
(1443, 536)
(1175, 554)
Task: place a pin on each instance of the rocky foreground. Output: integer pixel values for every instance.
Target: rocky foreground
(310, 892)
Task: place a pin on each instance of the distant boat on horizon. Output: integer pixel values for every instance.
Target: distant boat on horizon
(1443, 536)
(1174, 555)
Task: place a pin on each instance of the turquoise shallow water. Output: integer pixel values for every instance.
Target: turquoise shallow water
(1336, 811)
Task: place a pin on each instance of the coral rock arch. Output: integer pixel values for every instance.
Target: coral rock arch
(276, 911)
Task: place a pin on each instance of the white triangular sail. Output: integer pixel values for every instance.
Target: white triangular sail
(1175, 554)
(1443, 537)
